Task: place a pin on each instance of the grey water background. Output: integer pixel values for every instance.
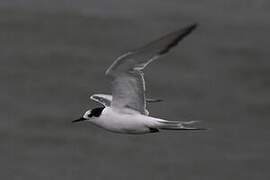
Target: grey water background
(53, 56)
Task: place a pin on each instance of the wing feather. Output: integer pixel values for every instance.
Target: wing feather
(103, 99)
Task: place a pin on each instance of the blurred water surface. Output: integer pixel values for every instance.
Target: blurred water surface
(53, 57)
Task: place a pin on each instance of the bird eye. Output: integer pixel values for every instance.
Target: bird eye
(89, 115)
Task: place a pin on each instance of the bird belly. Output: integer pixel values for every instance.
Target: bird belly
(123, 123)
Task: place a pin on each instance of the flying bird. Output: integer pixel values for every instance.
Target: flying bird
(125, 110)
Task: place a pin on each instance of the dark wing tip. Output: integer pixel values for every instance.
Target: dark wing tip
(193, 26)
(188, 29)
(150, 100)
(180, 35)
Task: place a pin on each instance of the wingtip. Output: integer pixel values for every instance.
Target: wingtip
(180, 34)
(159, 100)
(149, 100)
(192, 27)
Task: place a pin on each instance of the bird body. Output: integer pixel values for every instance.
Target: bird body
(129, 121)
(124, 121)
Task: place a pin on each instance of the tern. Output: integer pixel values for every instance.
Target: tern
(125, 110)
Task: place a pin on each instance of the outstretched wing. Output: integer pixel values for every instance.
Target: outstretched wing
(128, 84)
(103, 99)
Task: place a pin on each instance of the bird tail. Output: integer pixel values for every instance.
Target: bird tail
(179, 125)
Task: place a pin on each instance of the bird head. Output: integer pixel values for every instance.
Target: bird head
(90, 114)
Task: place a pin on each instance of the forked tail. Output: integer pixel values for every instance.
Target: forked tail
(179, 125)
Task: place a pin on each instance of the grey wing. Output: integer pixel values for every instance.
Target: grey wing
(103, 99)
(128, 84)
(128, 91)
(106, 99)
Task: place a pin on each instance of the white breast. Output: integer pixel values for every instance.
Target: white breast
(123, 122)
